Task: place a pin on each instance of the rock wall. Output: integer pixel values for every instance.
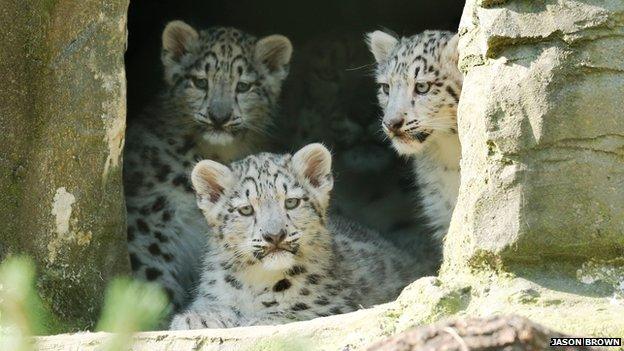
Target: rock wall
(542, 134)
(62, 116)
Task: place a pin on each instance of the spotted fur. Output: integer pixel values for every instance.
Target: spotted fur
(203, 112)
(419, 89)
(274, 255)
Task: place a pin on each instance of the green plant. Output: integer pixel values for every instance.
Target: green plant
(21, 311)
(129, 306)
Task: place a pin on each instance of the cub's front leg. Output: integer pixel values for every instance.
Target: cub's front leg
(202, 319)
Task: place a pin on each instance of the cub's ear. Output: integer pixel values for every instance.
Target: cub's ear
(313, 164)
(274, 52)
(381, 44)
(450, 51)
(210, 180)
(178, 39)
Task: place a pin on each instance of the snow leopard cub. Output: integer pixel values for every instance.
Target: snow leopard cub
(274, 256)
(222, 87)
(419, 89)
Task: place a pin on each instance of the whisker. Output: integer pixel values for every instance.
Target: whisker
(436, 126)
(369, 65)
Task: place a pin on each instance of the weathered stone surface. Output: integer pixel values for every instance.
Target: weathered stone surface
(542, 133)
(428, 300)
(62, 112)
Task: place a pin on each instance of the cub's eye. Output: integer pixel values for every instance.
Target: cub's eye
(200, 83)
(385, 88)
(422, 87)
(242, 87)
(292, 203)
(246, 210)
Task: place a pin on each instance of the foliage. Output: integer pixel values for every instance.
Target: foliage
(129, 306)
(21, 311)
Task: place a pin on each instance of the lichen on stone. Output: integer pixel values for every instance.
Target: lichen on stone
(61, 210)
(609, 271)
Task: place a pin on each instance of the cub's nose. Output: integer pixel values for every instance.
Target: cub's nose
(275, 238)
(394, 125)
(219, 119)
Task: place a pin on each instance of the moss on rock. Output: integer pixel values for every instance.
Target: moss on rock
(63, 117)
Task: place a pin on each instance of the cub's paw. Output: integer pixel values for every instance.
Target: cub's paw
(194, 320)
